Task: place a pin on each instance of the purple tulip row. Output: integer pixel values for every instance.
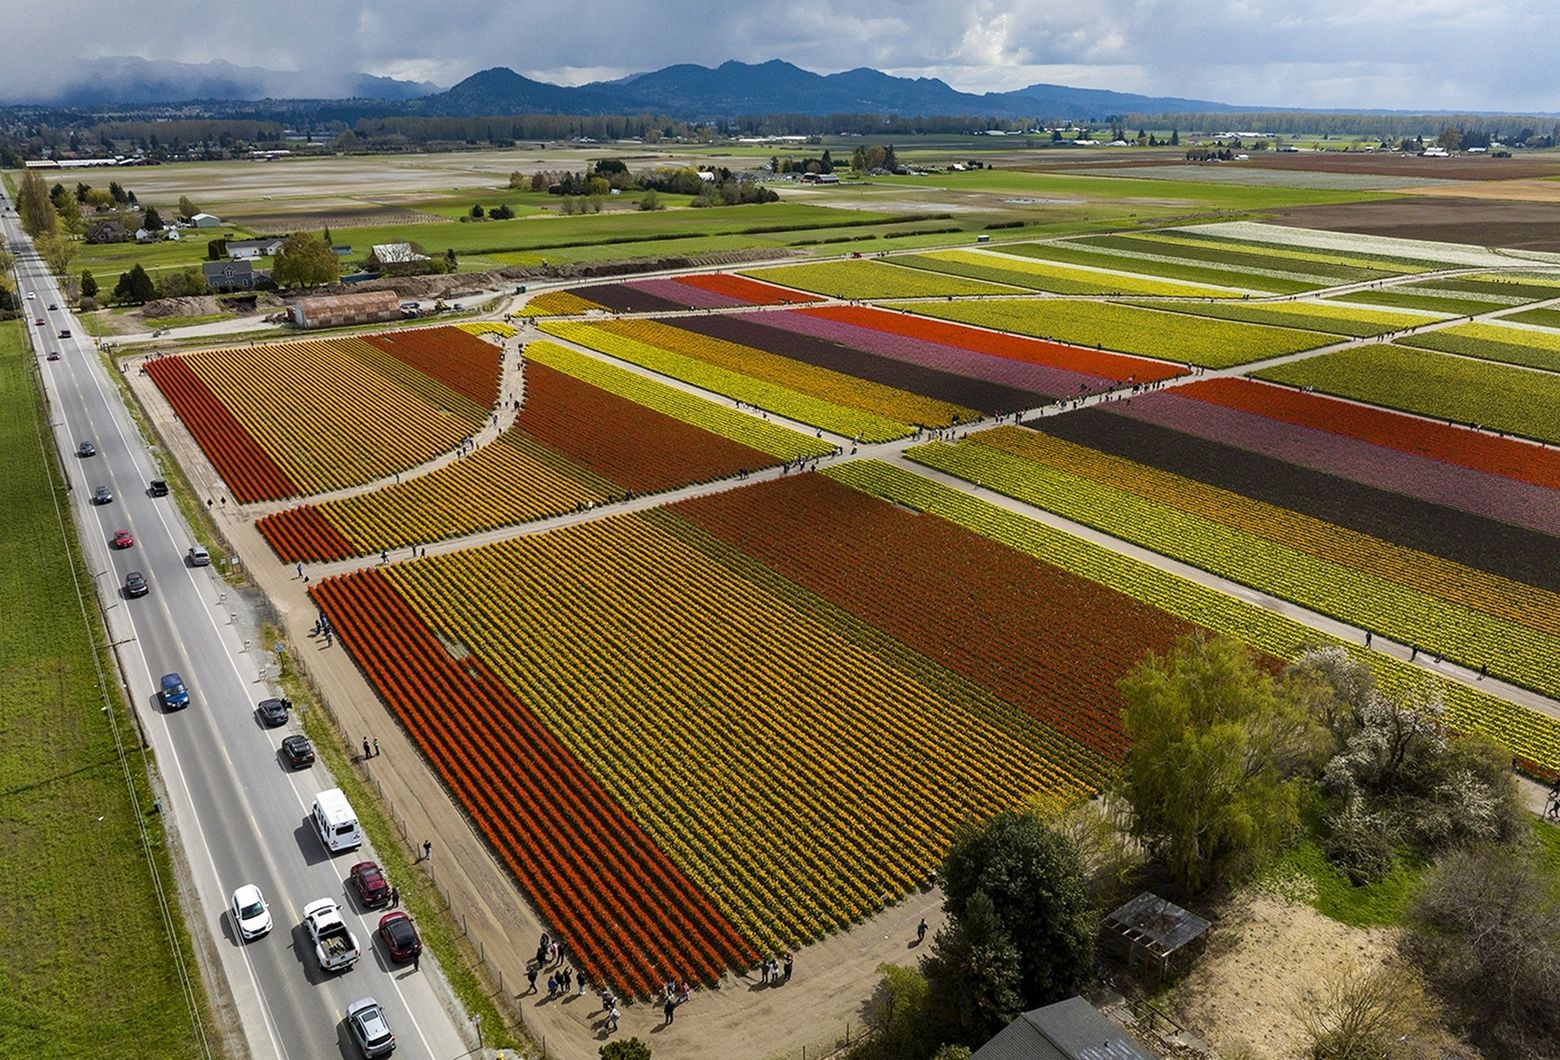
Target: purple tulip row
(686, 294)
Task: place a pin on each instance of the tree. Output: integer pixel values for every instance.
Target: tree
(1175, 137)
(1451, 138)
(187, 209)
(70, 216)
(305, 260)
(325, 235)
(135, 286)
(650, 201)
(501, 212)
(1032, 875)
(56, 251)
(517, 180)
(89, 284)
(216, 249)
(152, 221)
(478, 211)
(625, 1049)
(117, 191)
(973, 974)
(449, 258)
(1362, 1013)
(1211, 748)
(33, 206)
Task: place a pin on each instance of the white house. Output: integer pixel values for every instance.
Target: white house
(250, 249)
(205, 220)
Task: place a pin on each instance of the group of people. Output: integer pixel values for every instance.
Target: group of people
(322, 626)
(776, 970)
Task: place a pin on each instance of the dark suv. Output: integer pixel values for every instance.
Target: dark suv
(173, 693)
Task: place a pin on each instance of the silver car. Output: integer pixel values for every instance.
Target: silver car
(367, 1024)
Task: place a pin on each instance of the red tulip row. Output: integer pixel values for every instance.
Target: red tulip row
(303, 533)
(626, 913)
(459, 360)
(248, 470)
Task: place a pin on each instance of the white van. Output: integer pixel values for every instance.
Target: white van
(335, 822)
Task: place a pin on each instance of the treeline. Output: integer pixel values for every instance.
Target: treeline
(191, 130)
(497, 129)
(1393, 127)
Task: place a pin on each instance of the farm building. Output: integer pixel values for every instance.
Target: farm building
(332, 311)
(396, 254)
(205, 220)
(230, 275)
(1068, 1030)
(249, 249)
(1151, 929)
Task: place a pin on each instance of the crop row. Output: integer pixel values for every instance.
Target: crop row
(1127, 255)
(630, 917)
(1347, 586)
(637, 345)
(1533, 737)
(743, 290)
(1330, 270)
(1041, 639)
(488, 327)
(1496, 396)
(1057, 279)
(434, 393)
(793, 771)
(1484, 521)
(326, 412)
(1492, 342)
(1417, 255)
(873, 278)
(1453, 445)
(559, 304)
(1332, 317)
(248, 470)
(1414, 301)
(1223, 248)
(759, 434)
(573, 444)
(455, 357)
(1130, 329)
(957, 397)
(1069, 368)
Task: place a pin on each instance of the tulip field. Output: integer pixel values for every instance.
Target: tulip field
(700, 290)
(589, 432)
(1469, 615)
(1060, 279)
(873, 278)
(330, 414)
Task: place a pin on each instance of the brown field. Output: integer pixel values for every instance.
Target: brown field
(1541, 189)
(1463, 167)
(1521, 225)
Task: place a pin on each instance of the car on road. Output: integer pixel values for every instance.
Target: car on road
(298, 751)
(39, 322)
(135, 584)
(369, 1028)
(272, 712)
(250, 913)
(199, 557)
(334, 946)
(86, 448)
(123, 539)
(157, 487)
(65, 333)
(31, 296)
(102, 495)
(368, 881)
(53, 306)
(172, 692)
(54, 355)
(399, 934)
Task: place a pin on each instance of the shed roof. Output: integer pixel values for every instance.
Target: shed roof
(1156, 923)
(357, 300)
(1068, 1030)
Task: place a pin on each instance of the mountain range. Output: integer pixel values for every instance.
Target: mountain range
(685, 91)
(731, 89)
(132, 80)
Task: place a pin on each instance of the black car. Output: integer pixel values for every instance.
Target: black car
(273, 712)
(135, 584)
(86, 449)
(102, 495)
(298, 751)
(157, 487)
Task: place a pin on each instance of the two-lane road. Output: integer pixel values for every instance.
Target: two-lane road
(238, 812)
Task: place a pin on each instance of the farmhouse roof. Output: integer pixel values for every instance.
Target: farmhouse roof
(255, 244)
(1068, 1030)
(396, 253)
(327, 303)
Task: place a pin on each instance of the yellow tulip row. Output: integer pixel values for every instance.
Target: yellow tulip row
(797, 775)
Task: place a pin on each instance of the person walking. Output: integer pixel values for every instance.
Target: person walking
(417, 960)
(376, 747)
(580, 979)
(366, 753)
(1367, 638)
(530, 977)
(395, 897)
(427, 850)
(920, 932)
(790, 961)
(669, 1009)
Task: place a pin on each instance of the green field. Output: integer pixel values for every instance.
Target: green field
(1332, 318)
(1234, 197)
(1500, 398)
(1417, 301)
(86, 962)
(1544, 318)
(1131, 329)
(1491, 342)
(1134, 256)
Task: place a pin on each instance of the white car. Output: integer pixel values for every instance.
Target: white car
(31, 296)
(250, 912)
(369, 1028)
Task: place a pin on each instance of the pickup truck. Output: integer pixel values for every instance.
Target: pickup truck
(334, 945)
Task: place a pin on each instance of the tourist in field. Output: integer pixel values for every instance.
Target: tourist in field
(530, 977)
(920, 932)
(669, 1009)
(790, 963)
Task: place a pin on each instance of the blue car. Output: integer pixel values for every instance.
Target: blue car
(173, 693)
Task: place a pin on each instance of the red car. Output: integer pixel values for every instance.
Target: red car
(122, 539)
(368, 880)
(399, 935)
(39, 322)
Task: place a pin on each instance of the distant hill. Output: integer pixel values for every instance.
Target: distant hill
(776, 87)
(129, 79)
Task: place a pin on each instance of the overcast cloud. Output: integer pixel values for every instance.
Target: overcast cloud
(1405, 54)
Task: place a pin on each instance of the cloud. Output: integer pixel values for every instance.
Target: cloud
(1409, 54)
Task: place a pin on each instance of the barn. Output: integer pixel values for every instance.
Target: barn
(331, 311)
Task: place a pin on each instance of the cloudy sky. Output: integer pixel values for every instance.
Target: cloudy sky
(1408, 54)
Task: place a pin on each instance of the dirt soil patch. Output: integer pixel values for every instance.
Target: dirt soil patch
(1245, 991)
(200, 306)
(1461, 168)
(1475, 222)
